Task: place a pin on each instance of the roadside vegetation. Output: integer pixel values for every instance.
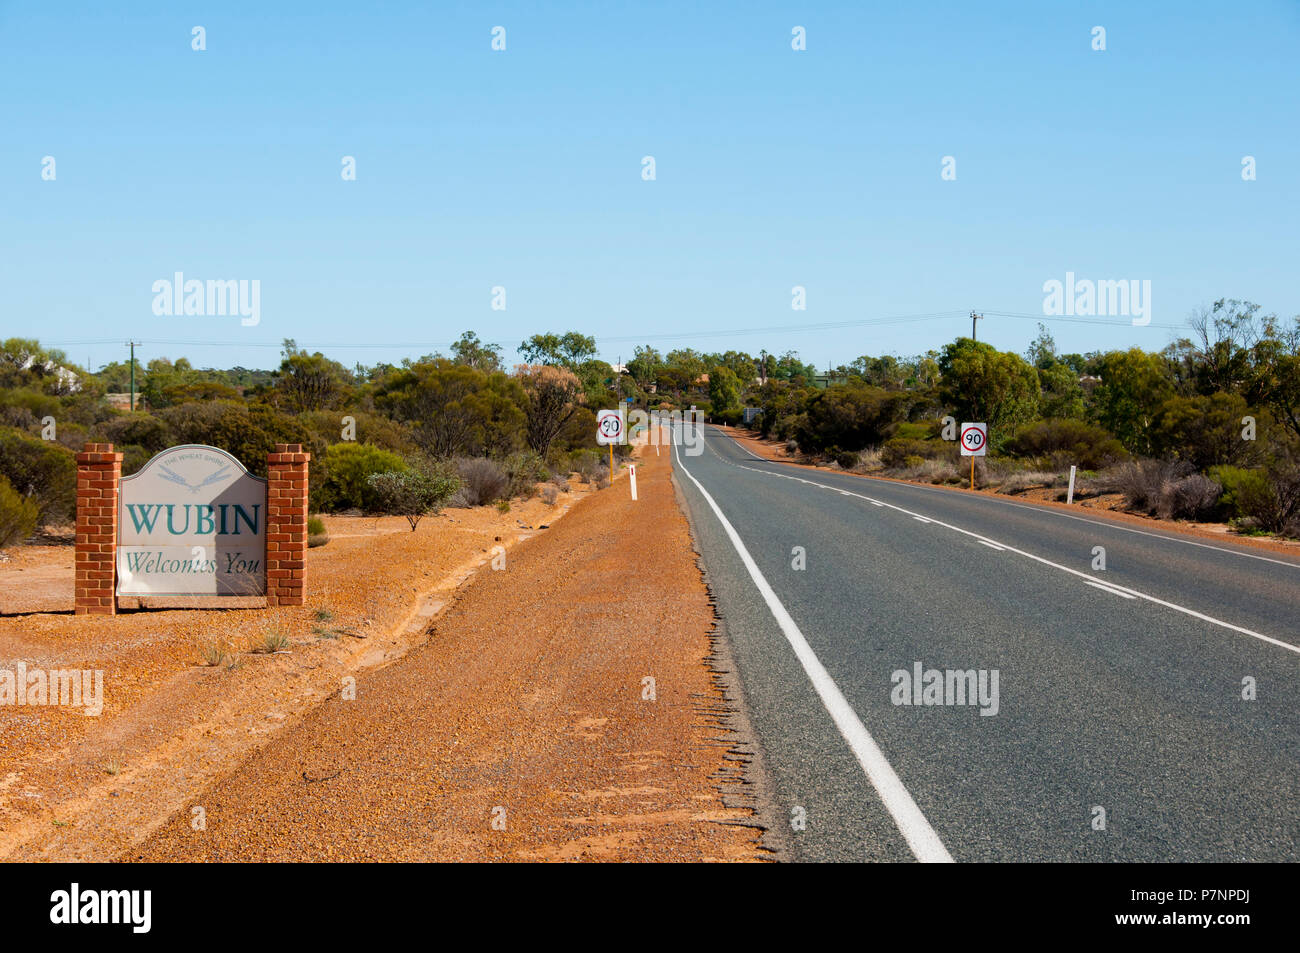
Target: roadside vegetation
(444, 430)
(1207, 428)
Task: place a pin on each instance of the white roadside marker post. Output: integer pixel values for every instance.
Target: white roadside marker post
(1069, 497)
(631, 475)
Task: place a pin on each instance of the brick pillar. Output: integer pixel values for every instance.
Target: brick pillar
(99, 471)
(286, 524)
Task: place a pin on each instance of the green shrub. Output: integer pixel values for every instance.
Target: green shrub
(17, 515)
(1058, 444)
(414, 493)
(43, 472)
(525, 470)
(272, 641)
(248, 432)
(895, 450)
(1245, 492)
(1204, 430)
(1269, 497)
(316, 533)
(852, 416)
(139, 429)
(342, 475)
(589, 464)
(911, 431)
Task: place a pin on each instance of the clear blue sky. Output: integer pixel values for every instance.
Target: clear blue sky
(522, 168)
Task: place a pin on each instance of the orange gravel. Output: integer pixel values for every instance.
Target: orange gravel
(520, 730)
(75, 787)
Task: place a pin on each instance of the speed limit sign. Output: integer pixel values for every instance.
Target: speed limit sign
(974, 439)
(609, 427)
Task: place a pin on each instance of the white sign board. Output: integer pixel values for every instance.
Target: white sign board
(192, 522)
(609, 427)
(974, 440)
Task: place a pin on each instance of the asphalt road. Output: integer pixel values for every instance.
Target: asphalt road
(1118, 690)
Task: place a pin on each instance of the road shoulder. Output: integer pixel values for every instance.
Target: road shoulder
(562, 709)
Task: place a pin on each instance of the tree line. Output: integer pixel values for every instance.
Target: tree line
(1207, 427)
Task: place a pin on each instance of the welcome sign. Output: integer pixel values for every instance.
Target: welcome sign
(192, 522)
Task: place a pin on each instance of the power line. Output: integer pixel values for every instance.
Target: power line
(633, 338)
(1078, 320)
(648, 338)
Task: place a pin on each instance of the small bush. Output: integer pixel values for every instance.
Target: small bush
(1194, 497)
(525, 470)
(869, 459)
(212, 653)
(549, 495)
(1269, 498)
(1023, 480)
(895, 451)
(1169, 489)
(1142, 482)
(602, 482)
(17, 515)
(341, 481)
(415, 493)
(589, 464)
(272, 641)
(316, 533)
(846, 460)
(938, 472)
(482, 481)
(560, 482)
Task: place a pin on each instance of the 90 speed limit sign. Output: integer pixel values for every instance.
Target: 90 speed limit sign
(609, 427)
(974, 439)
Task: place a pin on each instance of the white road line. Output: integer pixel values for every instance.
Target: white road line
(1050, 511)
(1112, 591)
(1074, 572)
(919, 519)
(916, 830)
(985, 542)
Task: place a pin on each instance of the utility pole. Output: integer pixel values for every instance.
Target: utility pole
(131, 345)
(973, 318)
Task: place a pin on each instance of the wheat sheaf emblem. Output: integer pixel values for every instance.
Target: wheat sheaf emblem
(174, 477)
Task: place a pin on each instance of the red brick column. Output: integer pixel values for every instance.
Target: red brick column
(99, 470)
(286, 524)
